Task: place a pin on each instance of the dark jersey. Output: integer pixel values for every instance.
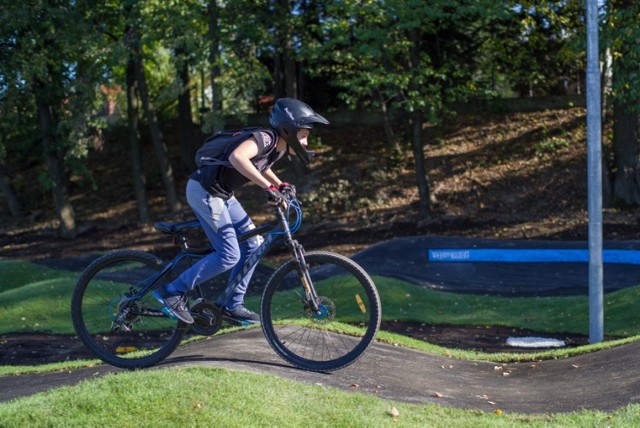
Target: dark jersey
(222, 180)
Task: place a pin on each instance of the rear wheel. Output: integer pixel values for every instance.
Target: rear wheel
(118, 326)
(342, 328)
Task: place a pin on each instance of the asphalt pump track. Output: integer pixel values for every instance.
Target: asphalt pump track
(604, 380)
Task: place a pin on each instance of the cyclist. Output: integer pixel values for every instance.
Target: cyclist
(210, 196)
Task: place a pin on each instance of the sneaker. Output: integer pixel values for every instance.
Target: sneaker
(241, 315)
(175, 305)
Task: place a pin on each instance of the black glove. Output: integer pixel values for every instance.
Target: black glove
(287, 190)
(274, 197)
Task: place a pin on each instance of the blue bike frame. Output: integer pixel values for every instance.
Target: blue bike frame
(271, 234)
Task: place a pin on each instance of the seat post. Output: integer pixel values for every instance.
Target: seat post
(182, 241)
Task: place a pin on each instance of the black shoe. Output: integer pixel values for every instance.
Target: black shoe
(241, 315)
(175, 305)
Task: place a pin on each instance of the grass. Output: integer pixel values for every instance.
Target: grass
(218, 397)
(569, 314)
(37, 299)
(205, 396)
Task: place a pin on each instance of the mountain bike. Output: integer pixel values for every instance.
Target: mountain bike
(319, 310)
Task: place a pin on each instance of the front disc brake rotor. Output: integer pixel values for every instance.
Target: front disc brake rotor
(326, 311)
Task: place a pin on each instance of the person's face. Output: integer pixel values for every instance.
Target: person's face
(303, 135)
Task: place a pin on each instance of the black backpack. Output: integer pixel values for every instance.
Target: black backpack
(217, 147)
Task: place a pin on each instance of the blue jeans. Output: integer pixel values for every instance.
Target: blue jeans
(222, 222)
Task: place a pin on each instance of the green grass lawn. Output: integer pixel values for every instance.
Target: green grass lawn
(34, 298)
(217, 397)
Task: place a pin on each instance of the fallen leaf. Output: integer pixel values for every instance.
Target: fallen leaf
(355, 385)
(437, 394)
(394, 412)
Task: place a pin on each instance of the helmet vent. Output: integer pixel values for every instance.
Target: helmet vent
(291, 116)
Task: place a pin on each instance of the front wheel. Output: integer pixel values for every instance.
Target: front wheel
(344, 324)
(118, 323)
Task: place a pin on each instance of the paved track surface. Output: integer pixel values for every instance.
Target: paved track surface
(604, 380)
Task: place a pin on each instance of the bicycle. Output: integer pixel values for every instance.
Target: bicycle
(319, 310)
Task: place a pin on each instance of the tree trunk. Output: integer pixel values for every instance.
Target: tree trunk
(278, 76)
(137, 168)
(626, 116)
(285, 66)
(421, 171)
(386, 126)
(626, 145)
(417, 118)
(214, 47)
(9, 193)
(63, 208)
(159, 145)
(290, 86)
(185, 117)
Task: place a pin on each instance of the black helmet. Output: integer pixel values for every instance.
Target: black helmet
(289, 115)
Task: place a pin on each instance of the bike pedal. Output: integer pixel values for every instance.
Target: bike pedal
(238, 323)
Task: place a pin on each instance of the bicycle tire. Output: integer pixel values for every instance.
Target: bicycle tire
(331, 340)
(100, 297)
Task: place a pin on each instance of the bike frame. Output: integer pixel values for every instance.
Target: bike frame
(273, 233)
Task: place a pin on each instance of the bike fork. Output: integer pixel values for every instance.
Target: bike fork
(303, 271)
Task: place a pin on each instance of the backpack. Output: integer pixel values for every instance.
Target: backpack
(217, 147)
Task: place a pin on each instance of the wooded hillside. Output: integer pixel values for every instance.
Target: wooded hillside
(142, 80)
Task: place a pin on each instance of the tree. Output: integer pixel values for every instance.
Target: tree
(50, 62)
(410, 55)
(137, 169)
(537, 46)
(16, 139)
(186, 31)
(8, 191)
(213, 21)
(623, 35)
(134, 44)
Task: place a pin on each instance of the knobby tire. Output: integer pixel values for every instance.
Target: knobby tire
(102, 291)
(346, 326)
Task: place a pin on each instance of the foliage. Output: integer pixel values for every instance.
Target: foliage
(539, 48)
(414, 55)
(44, 57)
(622, 33)
(411, 56)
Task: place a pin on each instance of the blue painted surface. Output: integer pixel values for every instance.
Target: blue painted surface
(503, 255)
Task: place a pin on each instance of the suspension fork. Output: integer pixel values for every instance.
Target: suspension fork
(303, 269)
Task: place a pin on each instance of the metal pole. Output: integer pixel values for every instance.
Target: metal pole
(594, 173)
